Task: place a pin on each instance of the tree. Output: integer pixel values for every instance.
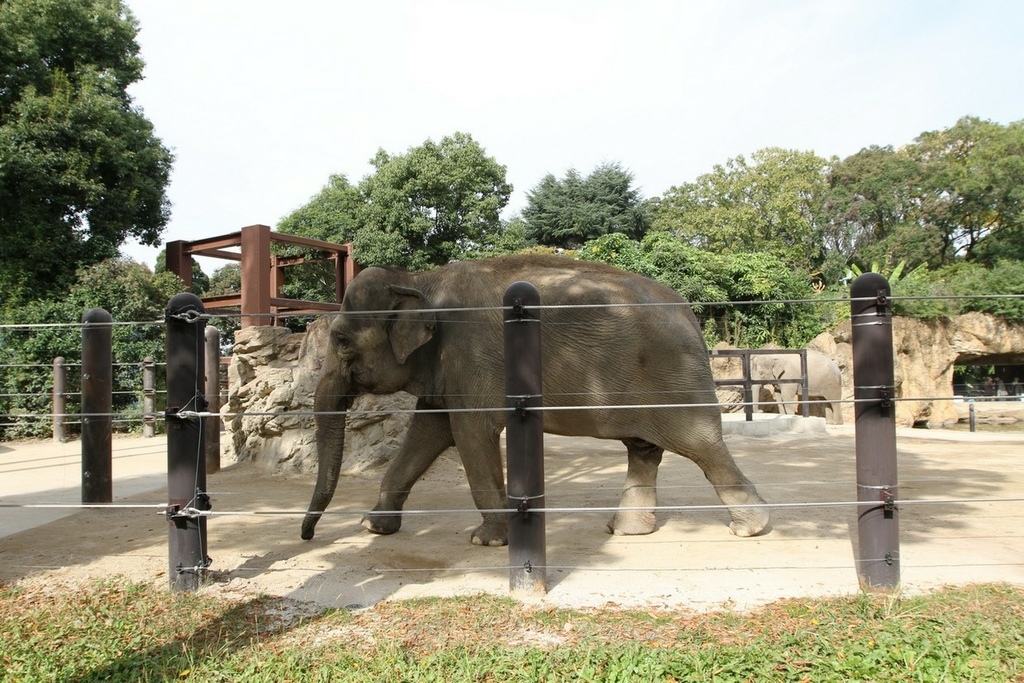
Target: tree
(568, 212)
(870, 205)
(972, 188)
(129, 291)
(333, 214)
(738, 295)
(81, 170)
(428, 206)
(774, 204)
(435, 203)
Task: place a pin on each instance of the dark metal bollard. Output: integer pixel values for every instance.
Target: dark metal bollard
(186, 471)
(212, 429)
(524, 438)
(60, 398)
(97, 401)
(878, 563)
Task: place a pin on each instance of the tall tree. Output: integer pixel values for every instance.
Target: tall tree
(569, 211)
(871, 199)
(435, 203)
(429, 205)
(81, 170)
(773, 203)
(972, 187)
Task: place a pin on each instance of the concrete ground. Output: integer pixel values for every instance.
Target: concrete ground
(690, 562)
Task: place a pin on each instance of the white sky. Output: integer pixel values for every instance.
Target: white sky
(262, 101)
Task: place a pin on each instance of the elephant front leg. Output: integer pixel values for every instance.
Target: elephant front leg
(479, 447)
(640, 494)
(428, 436)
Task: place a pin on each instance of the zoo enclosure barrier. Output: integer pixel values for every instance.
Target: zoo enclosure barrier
(879, 497)
(878, 563)
(748, 382)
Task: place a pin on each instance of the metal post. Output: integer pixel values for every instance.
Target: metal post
(524, 438)
(60, 398)
(212, 429)
(878, 563)
(805, 389)
(97, 400)
(748, 388)
(186, 473)
(148, 397)
(973, 415)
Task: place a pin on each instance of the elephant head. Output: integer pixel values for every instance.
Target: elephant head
(381, 324)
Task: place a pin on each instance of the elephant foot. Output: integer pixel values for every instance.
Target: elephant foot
(382, 523)
(749, 521)
(632, 523)
(491, 533)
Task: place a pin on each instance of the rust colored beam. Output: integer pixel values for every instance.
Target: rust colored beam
(256, 267)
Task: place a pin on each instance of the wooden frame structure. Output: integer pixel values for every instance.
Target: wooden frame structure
(262, 271)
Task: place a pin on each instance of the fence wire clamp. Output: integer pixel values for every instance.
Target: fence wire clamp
(189, 316)
(888, 501)
(200, 569)
(523, 503)
(882, 298)
(885, 398)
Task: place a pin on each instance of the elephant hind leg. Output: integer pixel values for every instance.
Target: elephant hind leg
(640, 493)
(747, 509)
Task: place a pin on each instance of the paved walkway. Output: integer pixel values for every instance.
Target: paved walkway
(45, 472)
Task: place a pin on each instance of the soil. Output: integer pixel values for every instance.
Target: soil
(690, 562)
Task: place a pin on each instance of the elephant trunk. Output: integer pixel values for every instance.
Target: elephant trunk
(331, 397)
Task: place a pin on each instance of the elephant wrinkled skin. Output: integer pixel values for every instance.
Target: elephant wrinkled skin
(396, 332)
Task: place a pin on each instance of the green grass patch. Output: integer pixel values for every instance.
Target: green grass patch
(119, 631)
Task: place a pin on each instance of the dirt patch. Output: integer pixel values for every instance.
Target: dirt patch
(691, 561)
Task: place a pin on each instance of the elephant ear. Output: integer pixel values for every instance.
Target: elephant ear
(408, 330)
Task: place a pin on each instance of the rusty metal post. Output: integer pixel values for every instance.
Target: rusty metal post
(212, 428)
(97, 400)
(524, 438)
(60, 398)
(878, 562)
(148, 397)
(186, 473)
(256, 267)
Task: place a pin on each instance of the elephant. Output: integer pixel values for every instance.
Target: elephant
(438, 335)
(824, 382)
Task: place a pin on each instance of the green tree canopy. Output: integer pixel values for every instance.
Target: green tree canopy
(773, 204)
(80, 168)
(871, 202)
(129, 291)
(569, 211)
(972, 188)
(738, 296)
(428, 206)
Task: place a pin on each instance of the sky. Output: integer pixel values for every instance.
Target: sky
(261, 102)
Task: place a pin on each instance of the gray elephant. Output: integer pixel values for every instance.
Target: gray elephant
(824, 383)
(438, 335)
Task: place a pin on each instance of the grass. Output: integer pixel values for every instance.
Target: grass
(119, 631)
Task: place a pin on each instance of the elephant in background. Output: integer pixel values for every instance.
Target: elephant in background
(824, 383)
(439, 335)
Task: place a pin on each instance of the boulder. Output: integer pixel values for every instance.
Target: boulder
(269, 408)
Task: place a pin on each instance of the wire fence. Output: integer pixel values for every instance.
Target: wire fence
(1010, 503)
